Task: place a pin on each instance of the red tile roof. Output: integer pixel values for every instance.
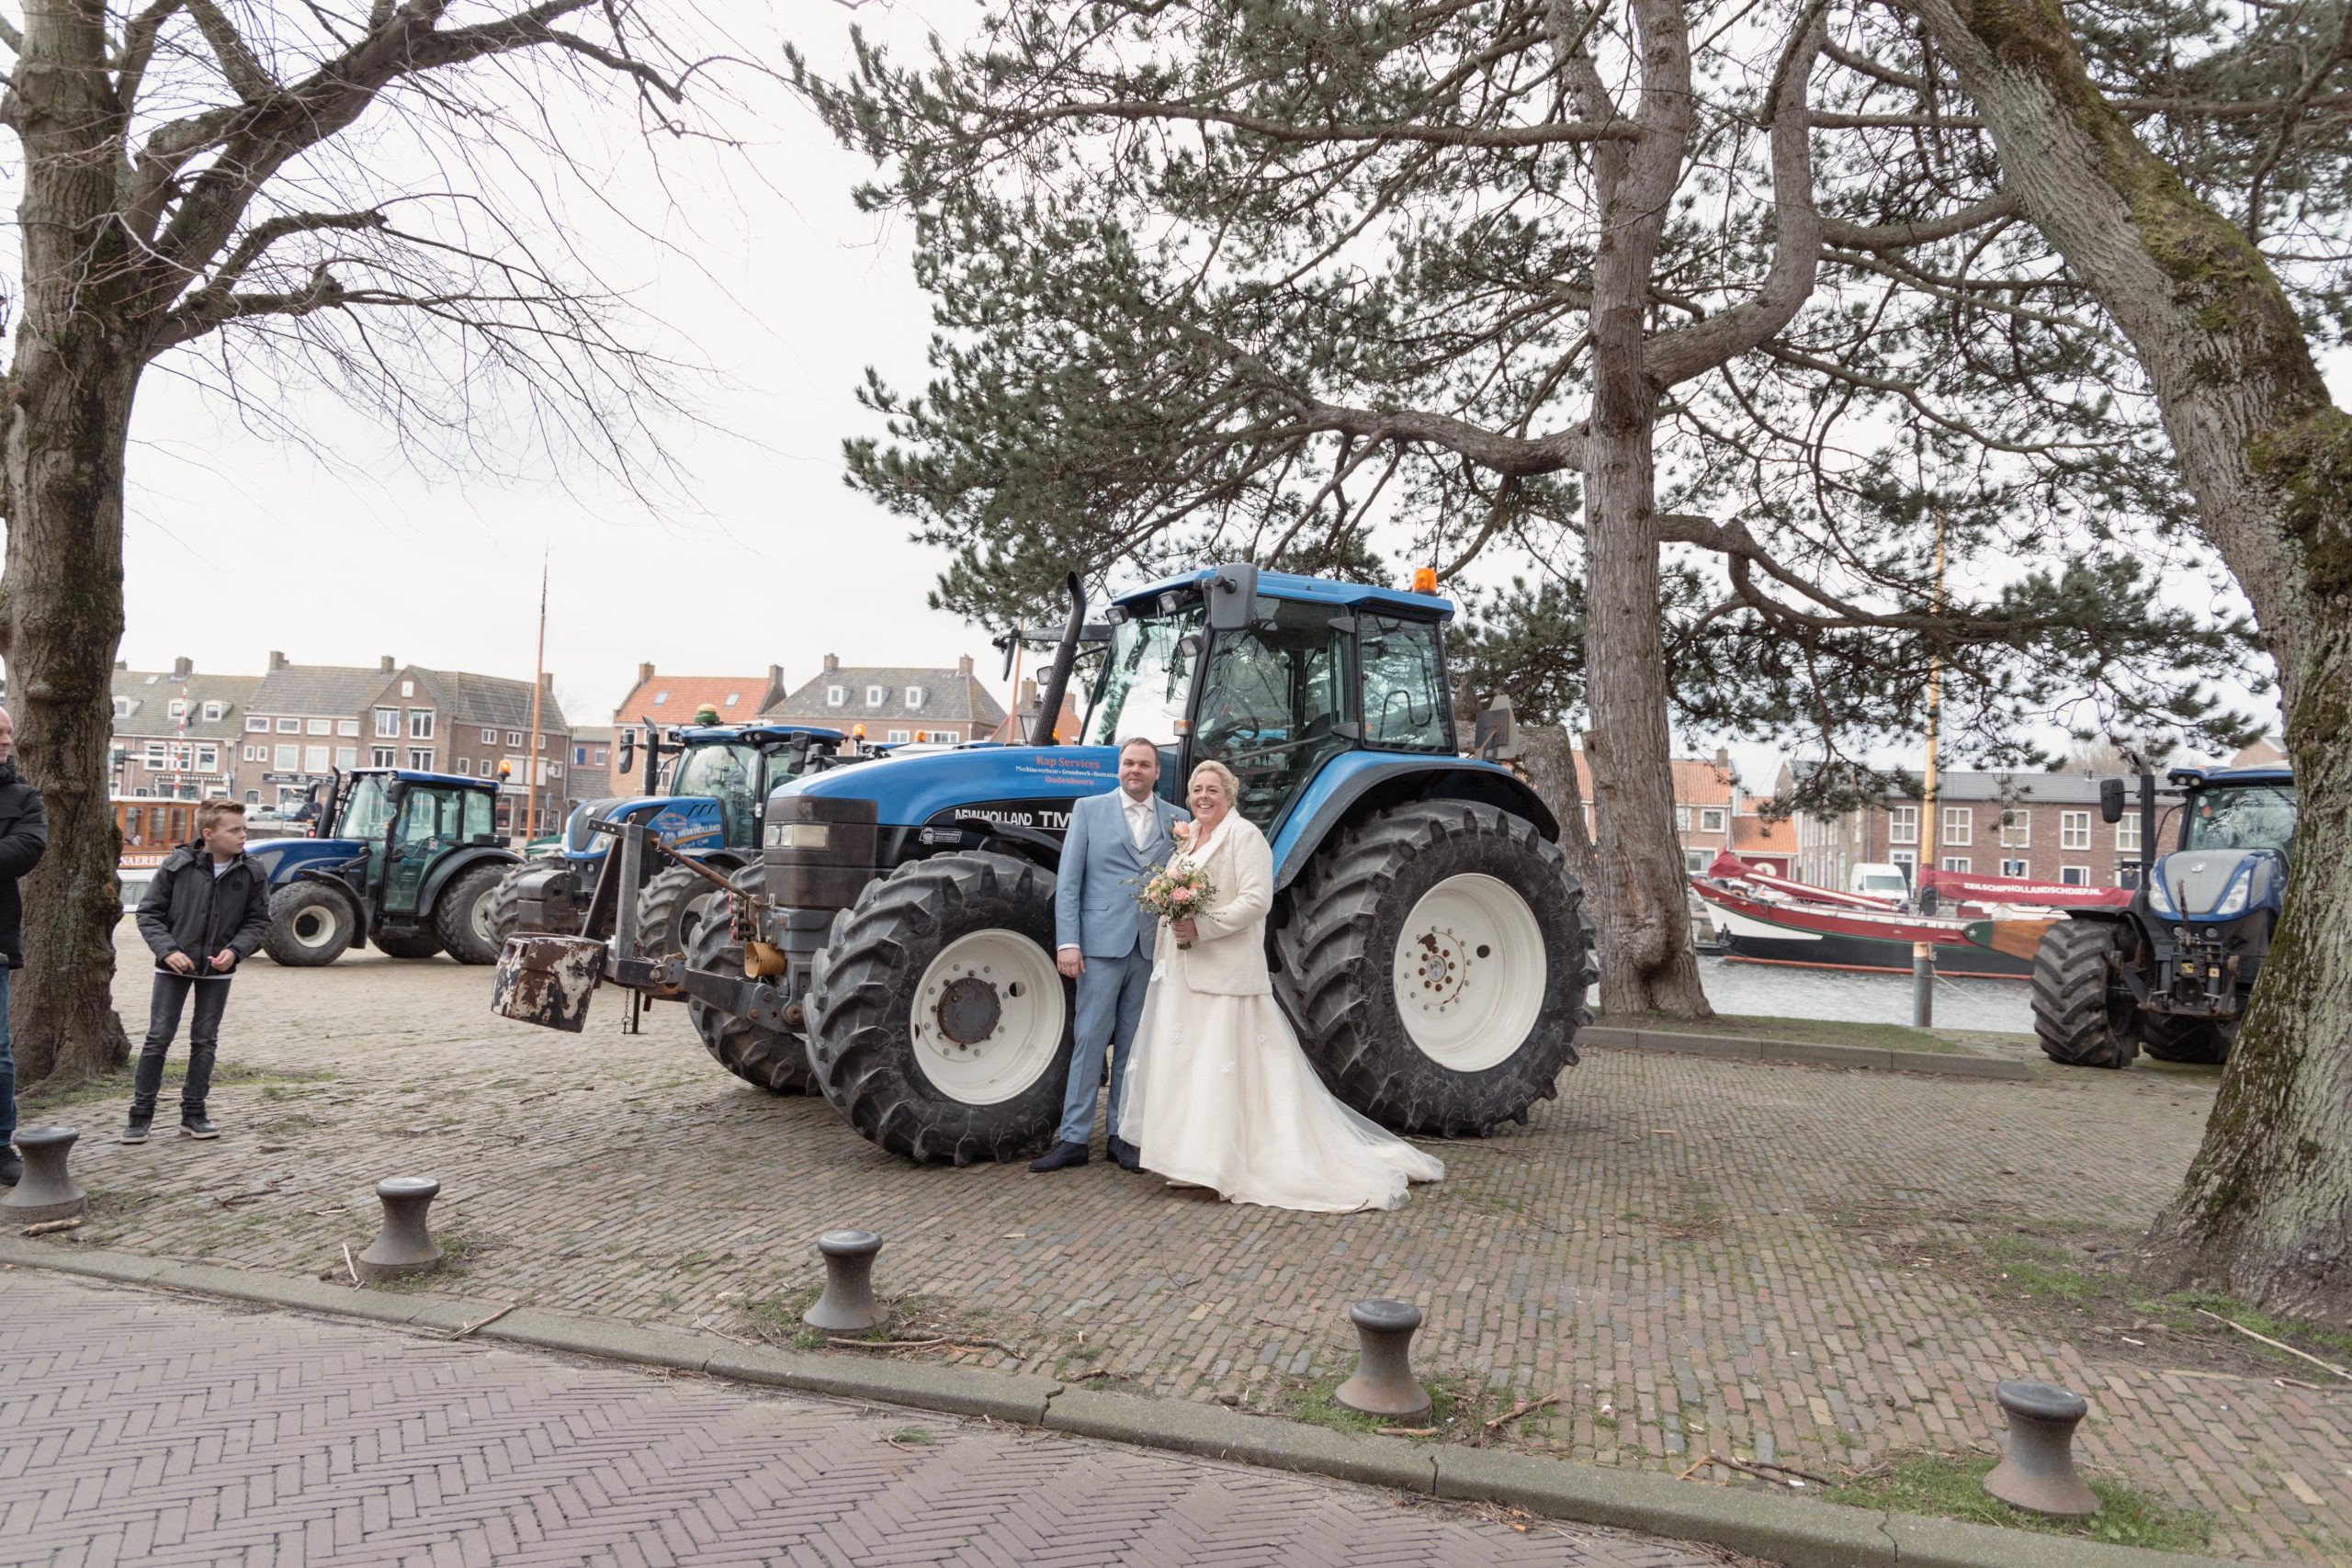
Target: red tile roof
(1752, 835)
(682, 695)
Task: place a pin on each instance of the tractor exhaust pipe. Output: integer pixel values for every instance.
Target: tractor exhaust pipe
(1049, 701)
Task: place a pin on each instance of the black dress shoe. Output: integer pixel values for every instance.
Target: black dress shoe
(197, 1127)
(12, 1169)
(1128, 1157)
(1059, 1155)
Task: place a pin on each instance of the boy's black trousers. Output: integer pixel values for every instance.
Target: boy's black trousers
(203, 1037)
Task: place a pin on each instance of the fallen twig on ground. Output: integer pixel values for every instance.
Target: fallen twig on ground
(1406, 1431)
(955, 1339)
(1695, 1466)
(1522, 1408)
(48, 1226)
(352, 1268)
(2278, 1345)
(1767, 1471)
(483, 1322)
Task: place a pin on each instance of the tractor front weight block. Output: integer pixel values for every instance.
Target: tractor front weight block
(548, 980)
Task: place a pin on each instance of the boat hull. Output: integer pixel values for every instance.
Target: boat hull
(1755, 938)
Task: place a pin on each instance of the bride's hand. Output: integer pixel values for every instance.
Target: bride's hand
(1184, 929)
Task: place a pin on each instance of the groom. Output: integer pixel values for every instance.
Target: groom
(1105, 939)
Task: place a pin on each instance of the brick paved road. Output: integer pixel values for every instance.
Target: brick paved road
(1783, 1261)
(144, 1428)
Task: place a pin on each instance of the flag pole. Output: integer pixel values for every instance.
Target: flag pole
(531, 763)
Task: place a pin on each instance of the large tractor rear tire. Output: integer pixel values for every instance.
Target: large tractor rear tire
(2081, 1019)
(462, 916)
(939, 1026)
(309, 925)
(406, 944)
(2168, 1038)
(506, 903)
(675, 904)
(777, 1063)
(1434, 963)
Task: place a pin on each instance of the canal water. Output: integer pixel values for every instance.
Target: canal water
(1779, 991)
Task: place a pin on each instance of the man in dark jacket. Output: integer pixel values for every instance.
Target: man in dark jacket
(206, 910)
(24, 834)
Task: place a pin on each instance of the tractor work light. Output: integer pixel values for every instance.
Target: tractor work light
(1425, 580)
(800, 836)
(2160, 899)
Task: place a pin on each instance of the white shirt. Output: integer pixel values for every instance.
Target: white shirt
(1141, 819)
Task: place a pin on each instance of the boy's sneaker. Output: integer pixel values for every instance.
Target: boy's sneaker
(12, 1169)
(196, 1126)
(135, 1130)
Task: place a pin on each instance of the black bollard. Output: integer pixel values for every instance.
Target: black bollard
(403, 1246)
(848, 1305)
(45, 1192)
(1383, 1383)
(2038, 1472)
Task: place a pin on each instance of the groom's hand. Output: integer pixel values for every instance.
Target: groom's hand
(1070, 962)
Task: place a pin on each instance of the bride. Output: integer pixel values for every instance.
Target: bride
(1218, 1093)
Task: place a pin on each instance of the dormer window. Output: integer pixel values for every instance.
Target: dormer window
(874, 695)
(212, 712)
(731, 697)
(914, 696)
(122, 707)
(835, 696)
(178, 708)
(661, 697)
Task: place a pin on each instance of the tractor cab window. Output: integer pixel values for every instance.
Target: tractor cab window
(1404, 688)
(2245, 816)
(364, 810)
(1145, 681)
(479, 827)
(1272, 698)
(432, 822)
(729, 775)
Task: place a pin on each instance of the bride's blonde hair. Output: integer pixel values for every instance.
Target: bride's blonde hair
(1224, 780)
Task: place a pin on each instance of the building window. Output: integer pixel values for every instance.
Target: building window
(898, 735)
(580, 756)
(347, 727)
(2073, 830)
(288, 758)
(2017, 829)
(513, 738)
(2014, 868)
(420, 724)
(874, 695)
(256, 753)
(212, 712)
(2127, 877)
(1681, 819)
(208, 757)
(600, 756)
(346, 756)
(388, 723)
(383, 757)
(2075, 875)
(155, 763)
(314, 758)
(1956, 863)
(2126, 834)
(835, 696)
(122, 707)
(408, 688)
(252, 797)
(914, 696)
(1960, 823)
(321, 727)
(1906, 859)
(254, 721)
(489, 737)
(661, 697)
(1710, 819)
(555, 771)
(1695, 862)
(178, 708)
(1903, 825)
(290, 726)
(732, 697)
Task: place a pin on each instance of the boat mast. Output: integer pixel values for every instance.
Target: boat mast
(531, 763)
(1923, 954)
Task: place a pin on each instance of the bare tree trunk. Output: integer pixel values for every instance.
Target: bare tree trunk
(1548, 754)
(67, 422)
(2266, 1208)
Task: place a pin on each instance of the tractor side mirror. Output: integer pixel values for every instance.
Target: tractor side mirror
(2110, 800)
(629, 751)
(1496, 736)
(1233, 597)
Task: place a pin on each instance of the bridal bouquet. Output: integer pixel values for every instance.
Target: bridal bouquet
(1176, 890)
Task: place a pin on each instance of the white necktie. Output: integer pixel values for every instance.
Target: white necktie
(1139, 823)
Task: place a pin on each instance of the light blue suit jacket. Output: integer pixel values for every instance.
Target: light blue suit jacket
(1094, 898)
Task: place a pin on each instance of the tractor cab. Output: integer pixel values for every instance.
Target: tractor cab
(1273, 676)
(2237, 828)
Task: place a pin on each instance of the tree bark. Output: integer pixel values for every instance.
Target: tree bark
(2266, 1212)
(67, 420)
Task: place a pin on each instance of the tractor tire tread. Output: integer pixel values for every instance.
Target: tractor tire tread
(2070, 1016)
(776, 1062)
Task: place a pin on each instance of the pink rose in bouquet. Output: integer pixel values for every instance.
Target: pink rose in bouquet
(1176, 891)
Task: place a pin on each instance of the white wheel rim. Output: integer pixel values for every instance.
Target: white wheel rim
(1469, 972)
(314, 927)
(1027, 1017)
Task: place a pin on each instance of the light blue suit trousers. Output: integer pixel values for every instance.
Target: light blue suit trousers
(1095, 910)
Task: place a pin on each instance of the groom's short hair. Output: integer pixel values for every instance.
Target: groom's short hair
(1133, 740)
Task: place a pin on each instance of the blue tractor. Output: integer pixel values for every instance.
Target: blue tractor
(898, 954)
(409, 861)
(2170, 973)
(719, 778)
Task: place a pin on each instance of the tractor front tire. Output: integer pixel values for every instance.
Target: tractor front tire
(463, 915)
(2078, 1013)
(310, 924)
(939, 1026)
(2170, 1037)
(1434, 961)
(406, 944)
(776, 1062)
(675, 904)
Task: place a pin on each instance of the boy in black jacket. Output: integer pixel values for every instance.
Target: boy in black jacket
(205, 910)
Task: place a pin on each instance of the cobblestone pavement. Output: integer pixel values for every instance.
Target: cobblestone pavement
(143, 1429)
(1806, 1265)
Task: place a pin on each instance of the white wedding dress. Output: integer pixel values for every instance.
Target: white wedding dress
(1219, 1093)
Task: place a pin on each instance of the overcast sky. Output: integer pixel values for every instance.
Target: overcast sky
(238, 545)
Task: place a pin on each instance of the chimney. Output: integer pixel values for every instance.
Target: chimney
(547, 681)
(384, 664)
(833, 665)
(644, 673)
(123, 663)
(277, 660)
(183, 667)
(776, 680)
(1029, 698)
(964, 665)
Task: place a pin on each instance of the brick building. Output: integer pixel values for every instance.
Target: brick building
(669, 700)
(452, 721)
(2043, 826)
(1706, 794)
(178, 733)
(1023, 722)
(302, 723)
(894, 703)
(589, 774)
